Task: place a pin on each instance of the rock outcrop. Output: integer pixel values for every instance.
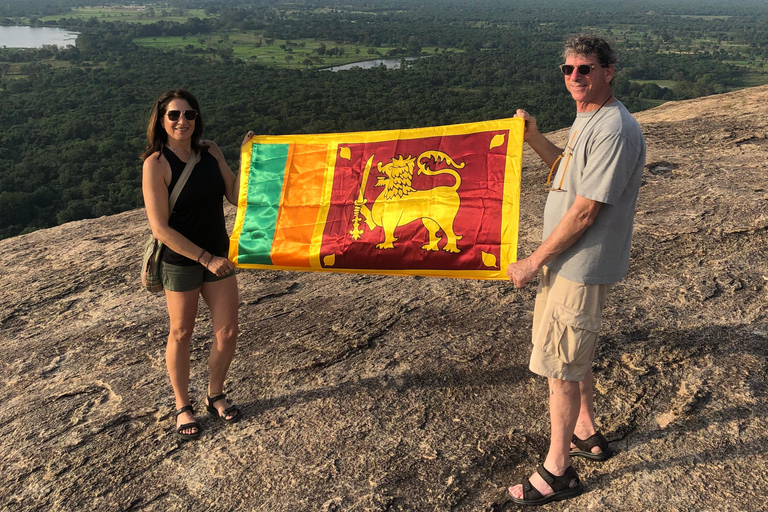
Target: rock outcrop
(375, 393)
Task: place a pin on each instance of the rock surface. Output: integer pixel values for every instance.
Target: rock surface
(373, 393)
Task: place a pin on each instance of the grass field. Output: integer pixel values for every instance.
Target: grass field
(254, 47)
(755, 79)
(132, 14)
(700, 16)
(669, 84)
(15, 70)
(648, 104)
(246, 46)
(301, 53)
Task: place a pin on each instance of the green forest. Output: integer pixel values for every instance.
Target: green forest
(74, 119)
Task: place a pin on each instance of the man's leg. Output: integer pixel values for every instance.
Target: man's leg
(585, 425)
(564, 406)
(564, 348)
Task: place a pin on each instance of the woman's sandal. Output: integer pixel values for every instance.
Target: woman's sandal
(561, 485)
(584, 447)
(187, 426)
(232, 410)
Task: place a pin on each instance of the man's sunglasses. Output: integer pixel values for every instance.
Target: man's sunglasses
(174, 115)
(584, 69)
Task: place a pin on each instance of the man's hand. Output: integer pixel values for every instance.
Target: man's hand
(574, 223)
(522, 272)
(531, 128)
(538, 142)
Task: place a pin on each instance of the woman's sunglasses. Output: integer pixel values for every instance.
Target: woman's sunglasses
(174, 115)
(584, 69)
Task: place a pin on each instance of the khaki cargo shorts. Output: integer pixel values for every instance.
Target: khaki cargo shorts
(566, 325)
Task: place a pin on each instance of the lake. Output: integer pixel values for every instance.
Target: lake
(367, 64)
(35, 37)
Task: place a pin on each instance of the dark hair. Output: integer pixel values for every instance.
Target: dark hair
(157, 138)
(587, 44)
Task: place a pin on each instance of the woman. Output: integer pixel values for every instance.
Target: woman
(194, 261)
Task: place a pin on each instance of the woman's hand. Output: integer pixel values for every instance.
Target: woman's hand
(220, 267)
(247, 137)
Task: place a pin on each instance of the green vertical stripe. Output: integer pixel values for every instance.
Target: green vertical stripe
(265, 183)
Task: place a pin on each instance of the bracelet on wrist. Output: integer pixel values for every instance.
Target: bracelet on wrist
(209, 262)
(201, 255)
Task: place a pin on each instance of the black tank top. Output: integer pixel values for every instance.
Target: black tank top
(199, 211)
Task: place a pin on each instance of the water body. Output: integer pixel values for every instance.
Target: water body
(35, 37)
(368, 64)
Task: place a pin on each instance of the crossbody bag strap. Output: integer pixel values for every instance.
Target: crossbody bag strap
(182, 180)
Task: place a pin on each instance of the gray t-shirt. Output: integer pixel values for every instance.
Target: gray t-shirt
(606, 166)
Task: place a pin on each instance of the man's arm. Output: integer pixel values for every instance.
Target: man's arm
(574, 223)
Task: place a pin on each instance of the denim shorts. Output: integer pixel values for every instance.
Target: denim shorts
(185, 278)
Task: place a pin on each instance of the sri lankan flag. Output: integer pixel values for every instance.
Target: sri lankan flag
(441, 201)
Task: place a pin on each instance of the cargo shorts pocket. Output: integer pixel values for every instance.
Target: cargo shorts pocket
(572, 335)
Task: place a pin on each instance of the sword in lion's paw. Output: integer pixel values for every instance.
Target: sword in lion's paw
(356, 231)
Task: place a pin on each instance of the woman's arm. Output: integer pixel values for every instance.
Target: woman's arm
(156, 175)
(231, 179)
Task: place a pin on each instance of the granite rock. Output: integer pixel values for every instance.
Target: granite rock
(380, 393)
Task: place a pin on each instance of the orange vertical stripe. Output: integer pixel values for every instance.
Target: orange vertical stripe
(299, 205)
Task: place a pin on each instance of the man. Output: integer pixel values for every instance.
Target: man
(586, 243)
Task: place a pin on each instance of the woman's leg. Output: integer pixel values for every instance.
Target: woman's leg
(182, 309)
(223, 300)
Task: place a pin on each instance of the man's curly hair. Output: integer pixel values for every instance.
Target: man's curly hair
(588, 44)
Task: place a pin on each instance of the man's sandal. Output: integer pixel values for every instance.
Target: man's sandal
(187, 426)
(232, 410)
(584, 448)
(561, 485)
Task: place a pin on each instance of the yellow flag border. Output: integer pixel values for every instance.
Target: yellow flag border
(514, 127)
(246, 152)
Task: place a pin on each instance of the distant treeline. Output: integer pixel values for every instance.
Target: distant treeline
(74, 119)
